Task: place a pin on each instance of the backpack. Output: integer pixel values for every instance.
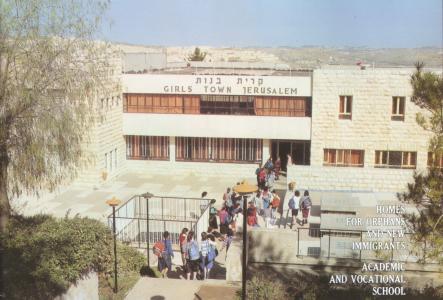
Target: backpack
(211, 254)
(275, 202)
(193, 251)
(306, 203)
(262, 176)
(291, 203)
(159, 248)
(228, 219)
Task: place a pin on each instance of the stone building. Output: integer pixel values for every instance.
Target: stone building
(345, 128)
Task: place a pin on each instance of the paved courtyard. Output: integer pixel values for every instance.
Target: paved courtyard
(90, 202)
(160, 289)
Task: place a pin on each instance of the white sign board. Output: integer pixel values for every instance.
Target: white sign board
(218, 85)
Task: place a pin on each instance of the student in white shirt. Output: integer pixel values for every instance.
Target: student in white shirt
(294, 204)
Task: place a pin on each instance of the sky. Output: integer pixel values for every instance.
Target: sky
(277, 23)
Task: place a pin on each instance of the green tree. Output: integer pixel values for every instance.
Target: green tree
(198, 55)
(50, 71)
(428, 94)
(426, 192)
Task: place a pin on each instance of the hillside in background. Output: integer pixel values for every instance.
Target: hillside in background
(311, 57)
(303, 57)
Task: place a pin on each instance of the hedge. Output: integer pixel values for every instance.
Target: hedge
(43, 255)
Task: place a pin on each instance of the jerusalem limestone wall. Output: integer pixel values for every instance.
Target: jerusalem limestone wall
(107, 135)
(349, 179)
(370, 129)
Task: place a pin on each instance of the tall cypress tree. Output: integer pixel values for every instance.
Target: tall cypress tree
(426, 192)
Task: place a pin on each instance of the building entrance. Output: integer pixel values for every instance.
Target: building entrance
(281, 149)
(300, 152)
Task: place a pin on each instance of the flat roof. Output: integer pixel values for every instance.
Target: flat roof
(141, 63)
(223, 71)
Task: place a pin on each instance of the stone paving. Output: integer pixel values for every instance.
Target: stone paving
(170, 289)
(91, 202)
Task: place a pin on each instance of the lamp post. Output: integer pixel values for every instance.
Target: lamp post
(147, 195)
(113, 203)
(244, 189)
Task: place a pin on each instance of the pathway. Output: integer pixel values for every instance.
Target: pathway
(172, 289)
(91, 202)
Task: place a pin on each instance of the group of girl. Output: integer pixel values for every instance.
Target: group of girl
(198, 258)
(264, 204)
(303, 203)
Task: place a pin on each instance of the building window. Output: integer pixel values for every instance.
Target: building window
(435, 160)
(163, 104)
(227, 105)
(398, 109)
(300, 152)
(345, 109)
(217, 105)
(218, 149)
(395, 159)
(343, 157)
(282, 106)
(106, 161)
(147, 147)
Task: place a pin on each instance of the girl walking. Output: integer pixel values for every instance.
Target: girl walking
(193, 256)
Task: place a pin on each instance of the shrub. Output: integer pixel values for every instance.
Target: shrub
(43, 255)
(269, 285)
(262, 287)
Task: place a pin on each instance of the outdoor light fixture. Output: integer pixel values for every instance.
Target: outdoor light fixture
(244, 189)
(113, 203)
(147, 195)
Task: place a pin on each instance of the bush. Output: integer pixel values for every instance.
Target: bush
(269, 285)
(262, 287)
(43, 255)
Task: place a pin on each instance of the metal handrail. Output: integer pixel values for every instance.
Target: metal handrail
(167, 197)
(208, 207)
(150, 219)
(124, 204)
(129, 215)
